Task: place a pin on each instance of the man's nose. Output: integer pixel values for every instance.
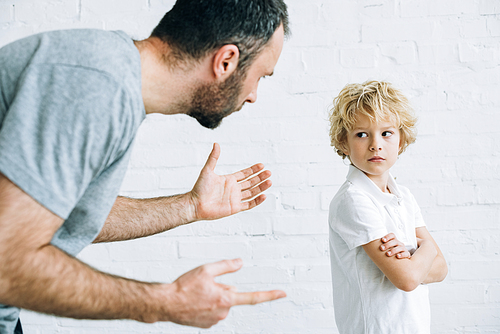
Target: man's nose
(252, 97)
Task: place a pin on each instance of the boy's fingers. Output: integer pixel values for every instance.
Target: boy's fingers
(388, 237)
(401, 251)
(252, 298)
(389, 244)
(403, 255)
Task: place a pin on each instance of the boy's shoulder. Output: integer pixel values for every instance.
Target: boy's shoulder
(349, 197)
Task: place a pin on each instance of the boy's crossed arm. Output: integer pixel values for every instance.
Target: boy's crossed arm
(427, 265)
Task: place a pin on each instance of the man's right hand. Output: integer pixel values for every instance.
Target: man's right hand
(195, 299)
(37, 276)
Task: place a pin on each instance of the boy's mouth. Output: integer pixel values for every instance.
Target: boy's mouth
(376, 159)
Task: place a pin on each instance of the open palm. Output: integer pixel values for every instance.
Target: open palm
(217, 196)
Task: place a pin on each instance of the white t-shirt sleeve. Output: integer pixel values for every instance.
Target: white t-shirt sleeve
(419, 220)
(356, 219)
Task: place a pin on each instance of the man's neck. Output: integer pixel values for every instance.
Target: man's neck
(166, 87)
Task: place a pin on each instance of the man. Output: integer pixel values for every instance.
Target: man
(70, 105)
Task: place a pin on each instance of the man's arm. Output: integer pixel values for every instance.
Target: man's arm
(38, 276)
(405, 273)
(212, 197)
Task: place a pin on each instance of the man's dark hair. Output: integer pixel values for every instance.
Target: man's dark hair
(194, 28)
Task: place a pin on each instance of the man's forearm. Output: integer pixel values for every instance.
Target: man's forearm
(134, 218)
(212, 197)
(50, 281)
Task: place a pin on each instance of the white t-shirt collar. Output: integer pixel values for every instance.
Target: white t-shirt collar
(359, 179)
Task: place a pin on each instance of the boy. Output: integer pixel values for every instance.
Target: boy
(381, 252)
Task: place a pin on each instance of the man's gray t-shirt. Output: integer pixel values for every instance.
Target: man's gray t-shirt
(70, 106)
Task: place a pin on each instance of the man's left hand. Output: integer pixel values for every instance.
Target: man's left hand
(217, 196)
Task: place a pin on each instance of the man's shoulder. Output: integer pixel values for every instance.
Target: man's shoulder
(111, 52)
(108, 51)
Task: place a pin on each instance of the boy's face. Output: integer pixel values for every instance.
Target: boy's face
(373, 147)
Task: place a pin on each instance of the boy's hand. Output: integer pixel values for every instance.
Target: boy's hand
(393, 247)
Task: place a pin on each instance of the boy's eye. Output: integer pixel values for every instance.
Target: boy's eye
(361, 134)
(386, 133)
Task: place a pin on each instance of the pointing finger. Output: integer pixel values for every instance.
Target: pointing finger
(252, 298)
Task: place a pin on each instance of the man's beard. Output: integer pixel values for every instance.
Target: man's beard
(212, 102)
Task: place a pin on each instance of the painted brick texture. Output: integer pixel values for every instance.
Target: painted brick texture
(445, 55)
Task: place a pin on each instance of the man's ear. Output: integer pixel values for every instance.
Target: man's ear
(225, 61)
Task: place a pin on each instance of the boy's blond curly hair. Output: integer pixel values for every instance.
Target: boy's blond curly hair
(378, 100)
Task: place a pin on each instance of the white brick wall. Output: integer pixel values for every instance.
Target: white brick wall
(445, 55)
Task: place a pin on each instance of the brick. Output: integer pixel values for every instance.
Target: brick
(298, 200)
(311, 57)
(448, 29)
(143, 250)
(488, 193)
(488, 7)
(300, 153)
(409, 30)
(285, 175)
(262, 274)
(478, 52)
(249, 223)
(463, 217)
(305, 130)
(6, 12)
(95, 7)
(214, 250)
(178, 178)
(493, 293)
(295, 248)
(295, 224)
(442, 294)
(399, 53)
(442, 53)
(457, 195)
(327, 174)
(415, 8)
(468, 270)
(310, 37)
(316, 273)
(365, 57)
(476, 28)
(304, 294)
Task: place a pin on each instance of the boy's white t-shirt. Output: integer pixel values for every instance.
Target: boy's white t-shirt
(365, 301)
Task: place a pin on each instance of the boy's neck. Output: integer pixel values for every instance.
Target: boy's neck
(381, 181)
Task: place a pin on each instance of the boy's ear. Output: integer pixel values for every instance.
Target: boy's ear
(345, 150)
(225, 61)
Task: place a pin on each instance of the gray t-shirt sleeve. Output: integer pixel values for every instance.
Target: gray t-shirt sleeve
(64, 127)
